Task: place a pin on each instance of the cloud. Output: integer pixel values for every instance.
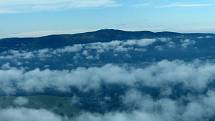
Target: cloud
(21, 101)
(93, 51)
(25, 114)
(161, 109)
(186, 5)
(6, 10)
(116, 46)
(17, 6)
(190, 108)
(141, 5)
(195, 76)
(165, 74)
(120, 116)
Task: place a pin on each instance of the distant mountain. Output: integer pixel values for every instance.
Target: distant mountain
(104, 35)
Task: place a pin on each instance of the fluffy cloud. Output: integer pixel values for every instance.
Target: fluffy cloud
(187, 42)
(197, 108)
(161, 109)
(24, 114)
(21, 101)
(188, 108)
(193, 76)
(116, 46)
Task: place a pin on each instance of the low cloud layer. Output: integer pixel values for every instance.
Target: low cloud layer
(196, 78)
(94, 50)
(193, 76)
(197, 108)
(158, 91)
(116, 46)
(164, 109)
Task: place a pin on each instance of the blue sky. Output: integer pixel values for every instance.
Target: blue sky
(43, 17)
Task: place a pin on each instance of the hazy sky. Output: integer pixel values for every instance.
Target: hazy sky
(41, 17)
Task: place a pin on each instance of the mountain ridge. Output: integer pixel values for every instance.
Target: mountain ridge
(103, 35)
(108, 30)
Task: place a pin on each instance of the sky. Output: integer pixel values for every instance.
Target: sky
(25, 18)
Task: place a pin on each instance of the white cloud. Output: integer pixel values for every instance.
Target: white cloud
(6, 10)
(193, 76)
(141, 5)
(25, 114)
(120, 116)
(141, 42)
(186, 5)
(197, 108)
(41, 5)
(117, 46)
(21, 101)
(187, 42)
